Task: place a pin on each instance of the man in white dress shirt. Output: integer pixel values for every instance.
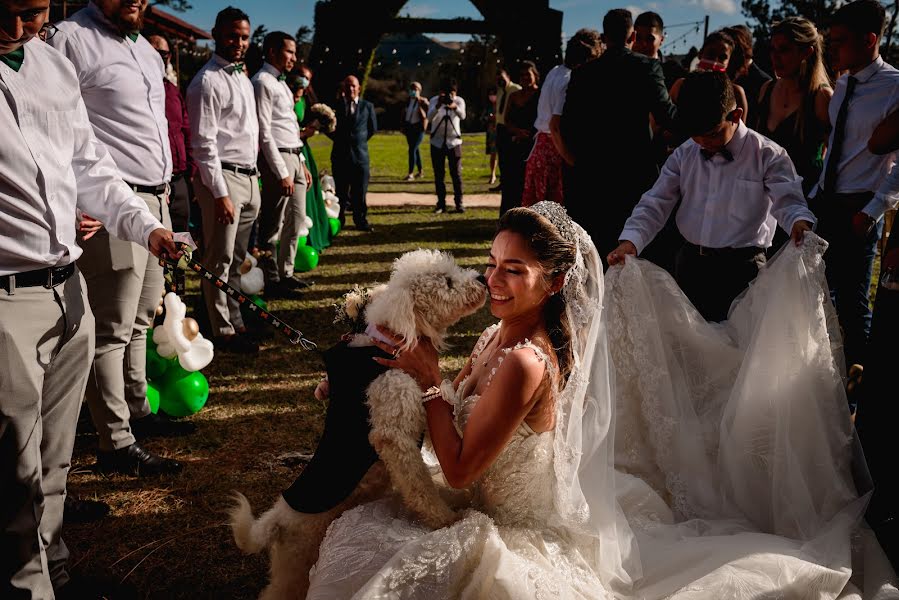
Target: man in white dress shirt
(121, 82)
(285, 177)
(224, 131)
(854, 192)
(446, 113)
(732, 184)
(51, 167)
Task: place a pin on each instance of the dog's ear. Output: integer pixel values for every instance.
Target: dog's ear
(394, 308)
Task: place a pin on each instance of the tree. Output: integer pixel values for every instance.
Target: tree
(764, 15)
(258, 36)
(304, 35)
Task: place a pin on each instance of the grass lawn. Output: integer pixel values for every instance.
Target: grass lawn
(389, 163)
(167, 536)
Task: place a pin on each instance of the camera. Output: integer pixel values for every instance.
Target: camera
(444, 99)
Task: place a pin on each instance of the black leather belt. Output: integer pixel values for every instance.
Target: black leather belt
(747, 251)
(49, 277)
(156, 190)
(291, 150)
(251, 171)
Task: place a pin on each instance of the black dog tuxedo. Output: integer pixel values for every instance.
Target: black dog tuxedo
(344, 454)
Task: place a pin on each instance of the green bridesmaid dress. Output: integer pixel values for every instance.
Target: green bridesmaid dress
(320, 233)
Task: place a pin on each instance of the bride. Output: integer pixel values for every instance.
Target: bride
(715, 487)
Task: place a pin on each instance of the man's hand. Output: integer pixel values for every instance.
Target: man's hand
(308, 131)
(224, 210)
(798, 232)
(617, 255)
(322, 390)
(862, 224)
(287, 186)
(308, 177)
(161, 242)
(88, 226)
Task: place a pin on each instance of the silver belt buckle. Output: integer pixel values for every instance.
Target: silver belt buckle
(49, 285)
(702, 251)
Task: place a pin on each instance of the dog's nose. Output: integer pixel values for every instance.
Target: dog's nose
(482, 280)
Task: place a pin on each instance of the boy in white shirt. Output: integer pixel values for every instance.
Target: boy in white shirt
(732, 183)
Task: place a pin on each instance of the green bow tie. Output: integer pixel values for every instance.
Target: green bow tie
(133, 35)
(235, 68)
(14, 59)
(282, 77)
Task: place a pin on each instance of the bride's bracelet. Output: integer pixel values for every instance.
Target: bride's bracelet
(431, 393)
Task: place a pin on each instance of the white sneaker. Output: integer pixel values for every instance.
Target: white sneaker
(410, 177)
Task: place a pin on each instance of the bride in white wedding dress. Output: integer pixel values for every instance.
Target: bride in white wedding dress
(665, 457)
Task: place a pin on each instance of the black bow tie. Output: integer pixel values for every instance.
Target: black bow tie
(708, 154)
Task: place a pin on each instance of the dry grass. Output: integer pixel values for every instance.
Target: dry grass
(167, 536)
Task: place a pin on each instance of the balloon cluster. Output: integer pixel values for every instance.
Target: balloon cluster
(176, 351)
(252, 279)
(332, 203)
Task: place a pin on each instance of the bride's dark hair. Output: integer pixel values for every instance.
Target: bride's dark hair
(556, 255)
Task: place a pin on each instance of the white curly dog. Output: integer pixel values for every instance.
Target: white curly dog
(426, 294)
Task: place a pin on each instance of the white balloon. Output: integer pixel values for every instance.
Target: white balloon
(253, 282)
(200, 354)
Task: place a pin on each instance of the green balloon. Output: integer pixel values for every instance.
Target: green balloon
(259, 301)
(335, 226)
(185, 396)
(307, 259)
(153, 397)
(301, 241)
(157, 365)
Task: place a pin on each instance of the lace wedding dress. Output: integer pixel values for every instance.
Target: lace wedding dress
(501, 548)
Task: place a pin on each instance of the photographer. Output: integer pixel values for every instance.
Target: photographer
(445, 115)
(415, 122)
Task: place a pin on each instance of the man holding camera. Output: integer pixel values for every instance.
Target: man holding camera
(445, 115)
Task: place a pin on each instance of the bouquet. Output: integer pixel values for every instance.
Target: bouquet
(351, 312)
(324, 116)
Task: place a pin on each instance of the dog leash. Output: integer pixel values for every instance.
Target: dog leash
(187, 262)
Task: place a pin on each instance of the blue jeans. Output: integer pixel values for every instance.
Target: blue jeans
(849, 264)
(414, 136)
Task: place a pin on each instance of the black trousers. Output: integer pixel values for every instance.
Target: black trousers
(713, 278)
(878, 413)
(439, 159)
(351, 181)
(849, 264)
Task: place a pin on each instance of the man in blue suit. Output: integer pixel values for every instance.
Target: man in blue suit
(356, 123)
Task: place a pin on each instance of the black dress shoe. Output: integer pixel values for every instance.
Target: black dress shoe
(76, 510)
(159, 425)
(497, 188)
(134, 460)
(236, 344)
(281, 291)
(366, 228)
(297, 284)
(459, 209)
(84, 587)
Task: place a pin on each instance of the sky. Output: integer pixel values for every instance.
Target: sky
(288, 15)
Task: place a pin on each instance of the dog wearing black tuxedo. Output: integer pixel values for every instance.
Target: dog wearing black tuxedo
(374, 423)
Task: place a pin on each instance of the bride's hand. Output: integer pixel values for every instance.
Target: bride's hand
(420, 362)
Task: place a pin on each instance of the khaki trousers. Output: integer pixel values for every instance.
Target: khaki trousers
(46, 347)
(226, 246)
(124, 284)
(281, 218)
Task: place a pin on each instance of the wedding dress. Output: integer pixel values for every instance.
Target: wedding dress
(501, 548)
(689, 460)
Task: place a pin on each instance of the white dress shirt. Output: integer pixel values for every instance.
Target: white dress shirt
(223, 122)
(446, 123)
(876, 96)
(121, 83)
(278, 125)
(51, 164)
(724, 204)
(552, 96)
